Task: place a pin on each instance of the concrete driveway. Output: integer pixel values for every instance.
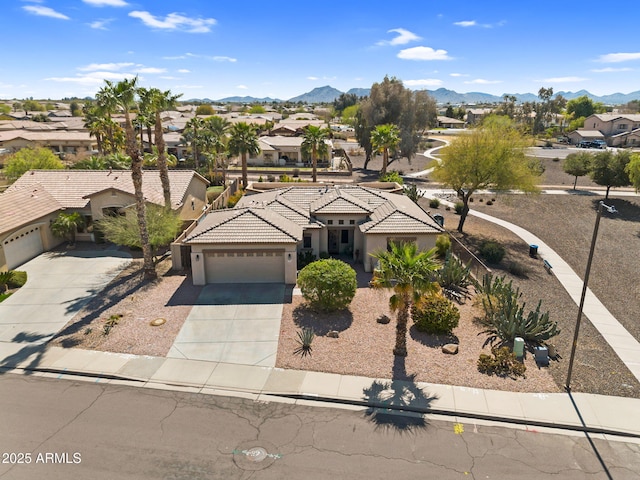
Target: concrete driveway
(58, 285)
(233, 323)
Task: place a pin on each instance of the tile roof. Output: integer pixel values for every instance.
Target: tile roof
(72, 188)
(340, 202)
(47, 136)
(400, 215)
(23, 205)
(245, 226)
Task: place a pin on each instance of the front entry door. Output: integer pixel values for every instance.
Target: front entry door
(333, 241)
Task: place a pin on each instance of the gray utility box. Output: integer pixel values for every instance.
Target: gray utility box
(542, 355)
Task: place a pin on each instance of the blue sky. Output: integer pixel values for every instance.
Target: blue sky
(218, 48)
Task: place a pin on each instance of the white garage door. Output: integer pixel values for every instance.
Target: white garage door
(245, 267)
(22, 247)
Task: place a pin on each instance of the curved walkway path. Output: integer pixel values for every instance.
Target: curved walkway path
(623, 343)
(429, 154)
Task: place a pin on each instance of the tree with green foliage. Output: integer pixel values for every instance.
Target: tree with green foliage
(205, 110)
(328, 284)
(349, 115)
(314, 142)
(577, 164)
(609, 169)
(162, 225)
(385, 138)
(583, 107)
(257, 109)
(30, 158)
(409, 273)
(243, 142)
(576, 123)
(66, 225)
(344, 101)
(633, 170)
(490, 157)
(194, 134)
(216, 129)
(546, 108)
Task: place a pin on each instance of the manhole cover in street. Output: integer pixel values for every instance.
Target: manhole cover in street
(157, 322)
(255, 455)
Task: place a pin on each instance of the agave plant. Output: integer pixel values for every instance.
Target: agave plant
(304, 340)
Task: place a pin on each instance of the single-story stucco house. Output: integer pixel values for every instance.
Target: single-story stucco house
(28, 207)
(259, 240)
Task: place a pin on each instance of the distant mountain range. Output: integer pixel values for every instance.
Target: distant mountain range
(443, 96)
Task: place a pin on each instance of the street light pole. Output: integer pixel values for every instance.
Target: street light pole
(609, 209)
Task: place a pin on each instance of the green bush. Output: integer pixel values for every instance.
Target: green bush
(328, 284)
(443, 245)
(392, 176)
(18, 279)
(435, 315)
(458, 207)
(5, 278)
(434, 203)
(235, 198)
(492, 251)
(324, 255)
(502, 363)
(305, 258)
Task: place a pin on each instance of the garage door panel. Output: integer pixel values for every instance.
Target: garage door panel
(245, 267)
(22, 247)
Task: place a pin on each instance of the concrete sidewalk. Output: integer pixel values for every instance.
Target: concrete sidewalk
(600, 415)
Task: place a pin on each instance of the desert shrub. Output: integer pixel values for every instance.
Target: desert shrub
(328, 284)
(271, 178)
(392, 176)
(285, 178)
(5, 278)
(296, 172)
(454, 276)
(434, 203)
(502, 362)
(518, 269)
(412, 192)
(260, 180)
(324, 255)
(305, 258)
(18, 279)
(304, 341)
(492, 251)
(436, 314)
(443, 245)
(505, 318)
(235, 198)
(489, 202)
(458, 207)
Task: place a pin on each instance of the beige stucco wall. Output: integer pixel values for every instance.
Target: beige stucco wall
(378, 242)
(198, 264)
(107, 199)
(196, 193)
(48, 240)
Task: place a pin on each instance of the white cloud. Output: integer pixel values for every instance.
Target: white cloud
(611, 69)
(45, 12)
(221, 58)
(105, 66)
(473, 23)
(404, 37)
(184, 70)
(100, 24)
(106, 3)
(425, 82)
(313, 78)
(242, 87)
(564, 79)
(482, 81)
(458, 74)
(169, 77)
(423, 53)
(175, 21)
(177, 57)
(93, 78)
(151, 70)
(619, 57)
(466, 23)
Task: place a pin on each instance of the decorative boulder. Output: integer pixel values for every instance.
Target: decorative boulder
(333, 334)
(450, 348)
(384, 319)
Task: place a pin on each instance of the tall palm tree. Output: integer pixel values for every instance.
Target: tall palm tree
(218, 128)
(410, 274)
(125, 94)
(384, 138)
(314, 142)
(107, 105)
(243, 141)
(193, 134)
(156, 101)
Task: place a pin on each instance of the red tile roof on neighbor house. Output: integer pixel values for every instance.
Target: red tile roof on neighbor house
(23, 205)
(73, 188)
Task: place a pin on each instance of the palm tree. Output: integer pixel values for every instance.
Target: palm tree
(243, 141)
(218, 128)
(157, 101)
(66, 224)
(125, 94)
(314, 141)
(193, 133)
(384, 138)
(410, 274)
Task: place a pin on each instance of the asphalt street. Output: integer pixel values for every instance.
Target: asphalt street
(60, 429)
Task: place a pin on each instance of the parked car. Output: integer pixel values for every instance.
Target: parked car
(592, 144)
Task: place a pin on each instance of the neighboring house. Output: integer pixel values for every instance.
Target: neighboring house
(626, 139)
(38, 196)
(476, 115)
(259, 239)
(60, 141)
(610, 124)
(580, 135)
(278, 150)
(448, 122)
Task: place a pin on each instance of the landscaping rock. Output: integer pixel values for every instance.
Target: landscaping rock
(333, 334)
(384, 319)
(450, 348)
